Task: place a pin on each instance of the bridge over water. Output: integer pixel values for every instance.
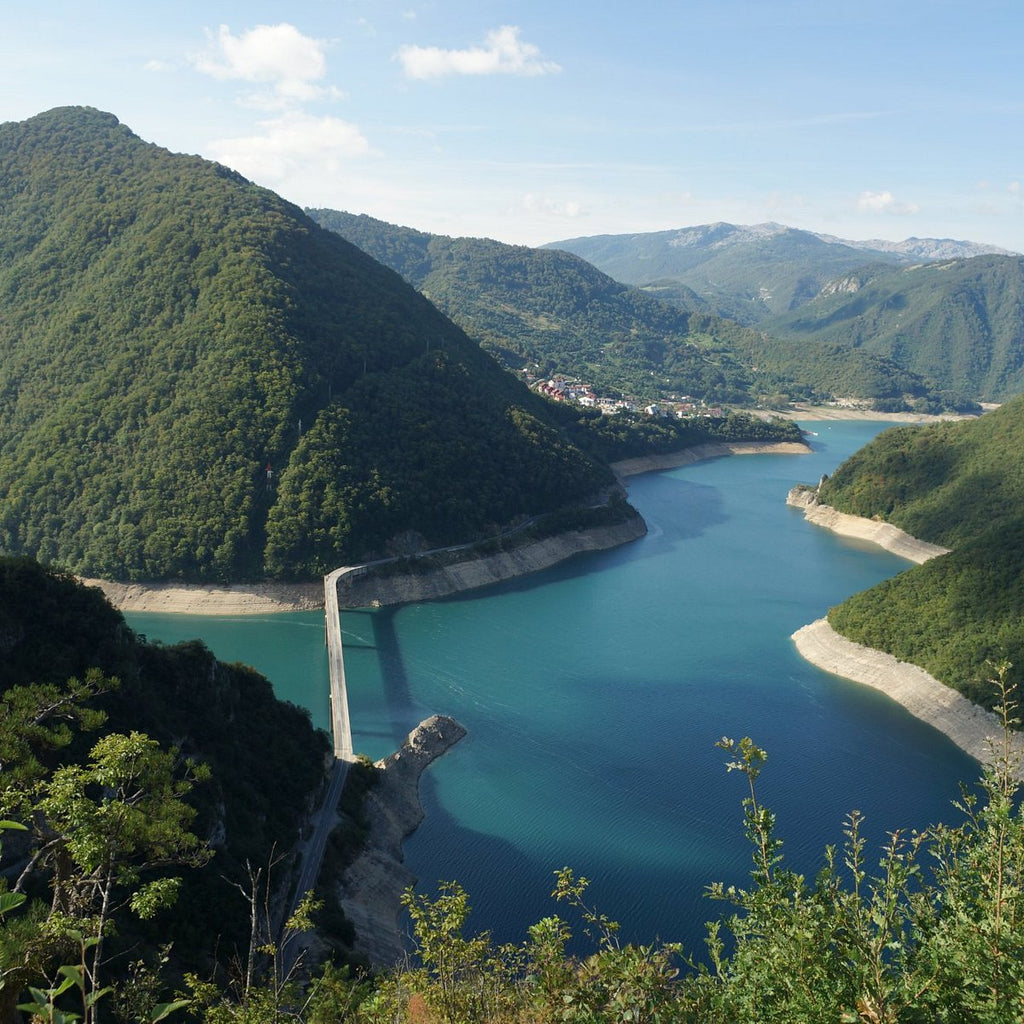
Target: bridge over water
(341, 732)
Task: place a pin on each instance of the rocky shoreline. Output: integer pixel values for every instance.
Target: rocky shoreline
(875, 531)
(973, 729)
(472, 572)
(377, 590)
(372, 886)
(197, 599)
(700, 452)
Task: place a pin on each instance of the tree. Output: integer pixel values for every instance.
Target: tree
(98, 828)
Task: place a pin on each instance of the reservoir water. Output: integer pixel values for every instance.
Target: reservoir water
(594, 694)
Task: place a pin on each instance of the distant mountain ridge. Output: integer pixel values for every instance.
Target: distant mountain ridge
(554, 309)
(748, 272)
(957, 322)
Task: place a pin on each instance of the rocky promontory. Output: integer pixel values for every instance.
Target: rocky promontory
(372, 886)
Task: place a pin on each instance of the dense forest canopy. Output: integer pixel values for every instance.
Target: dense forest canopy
(183, 353)
(74, 674)
(551, 311)
(961, 485)
(958, 323)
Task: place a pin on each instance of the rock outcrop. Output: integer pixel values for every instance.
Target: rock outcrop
(372, 887)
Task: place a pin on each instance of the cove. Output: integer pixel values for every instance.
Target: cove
(594, 693)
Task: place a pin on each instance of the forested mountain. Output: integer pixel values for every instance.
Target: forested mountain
(74, 675)
(959, 322)
(960, 485)
(197, 381)
(555, 310)
(747, 273)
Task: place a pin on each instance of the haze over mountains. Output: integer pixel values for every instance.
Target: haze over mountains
(750, 273)
(553, 309)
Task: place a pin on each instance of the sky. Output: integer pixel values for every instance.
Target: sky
(531, 121)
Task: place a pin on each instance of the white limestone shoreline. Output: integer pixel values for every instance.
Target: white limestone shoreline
(469, 574)
(972, 728)
(700, 452)
(876, 531)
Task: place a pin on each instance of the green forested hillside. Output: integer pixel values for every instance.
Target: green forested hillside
(554, 310)
(945, 483)
(265, 761)
(959, 323)
(197, 381)
(960, 485)
(746, 273)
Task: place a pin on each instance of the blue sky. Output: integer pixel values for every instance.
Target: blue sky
(532, 121)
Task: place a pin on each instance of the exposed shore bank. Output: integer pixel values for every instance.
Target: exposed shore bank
(363, 591)
(969, 726)
(199, 599)
(972, 728)
(372, 886)
(876, 531)
(473, 572)
(808, 413)
(700, 452)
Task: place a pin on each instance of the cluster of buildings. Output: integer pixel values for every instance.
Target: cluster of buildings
(565, 389)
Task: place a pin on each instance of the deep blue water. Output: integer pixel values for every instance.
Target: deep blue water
(594, 693)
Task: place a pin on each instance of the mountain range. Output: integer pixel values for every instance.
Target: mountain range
(750, 273)
(554, 312)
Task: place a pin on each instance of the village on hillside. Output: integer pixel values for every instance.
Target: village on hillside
(560, 388)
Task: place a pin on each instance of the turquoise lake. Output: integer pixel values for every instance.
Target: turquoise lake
(594, 693)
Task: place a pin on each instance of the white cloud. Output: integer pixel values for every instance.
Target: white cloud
(503, 53)
(884, 202)
(551, 207)
(292, 143)
(277, 55)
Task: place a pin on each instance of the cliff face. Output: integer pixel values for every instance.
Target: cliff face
(372, 887)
